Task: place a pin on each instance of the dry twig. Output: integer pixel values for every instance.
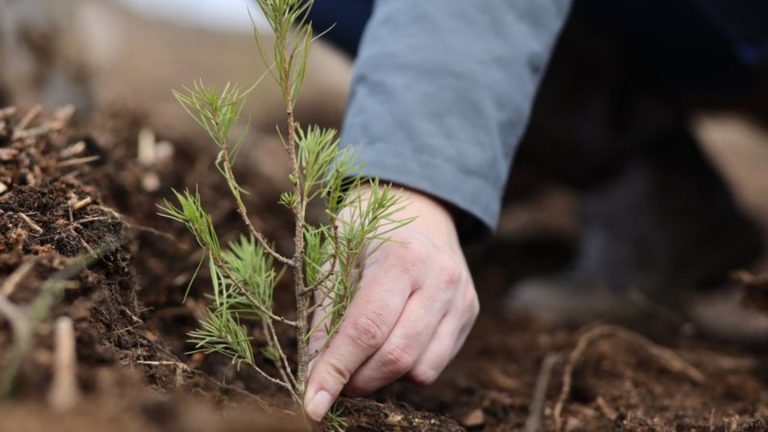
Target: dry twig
(12, 281)
(78, 161)
(666, 358)
(35, 227)
(25, 121)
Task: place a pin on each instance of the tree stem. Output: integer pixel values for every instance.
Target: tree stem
(302, 300)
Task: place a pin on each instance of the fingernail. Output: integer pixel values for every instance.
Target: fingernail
(317, 405)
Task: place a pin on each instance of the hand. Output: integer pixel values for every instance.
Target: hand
(414, 308)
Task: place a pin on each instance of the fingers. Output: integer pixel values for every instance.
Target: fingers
(405, 345)
(446, 342)
(368, 323)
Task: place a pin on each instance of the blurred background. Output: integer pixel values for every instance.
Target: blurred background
(610, 176)
(129, 54)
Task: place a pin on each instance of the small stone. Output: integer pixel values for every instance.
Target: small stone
(573, 425)
(150, 182)
(164, 151)
(3, 188)
(147, 147)
(475, 418)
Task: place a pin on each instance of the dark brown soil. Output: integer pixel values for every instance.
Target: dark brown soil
(131, 321)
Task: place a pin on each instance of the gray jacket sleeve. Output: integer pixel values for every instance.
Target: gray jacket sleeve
(442, 92)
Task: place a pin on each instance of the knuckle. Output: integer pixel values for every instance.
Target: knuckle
(410, 255)
(450, 272)
(368, 331)
(397, 360)
(415, 250)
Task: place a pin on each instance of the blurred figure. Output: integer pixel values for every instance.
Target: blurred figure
(612, 121)
(439, 102)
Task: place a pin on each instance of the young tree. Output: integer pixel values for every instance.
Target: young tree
(325, 256)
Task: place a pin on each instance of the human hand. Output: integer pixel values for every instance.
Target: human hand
(414, 308)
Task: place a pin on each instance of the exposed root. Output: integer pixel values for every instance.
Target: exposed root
(665, 357)
(533, 423)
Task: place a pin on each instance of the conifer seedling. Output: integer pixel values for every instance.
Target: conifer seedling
(324, 262)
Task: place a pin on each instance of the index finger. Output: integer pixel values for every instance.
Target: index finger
(368, 322)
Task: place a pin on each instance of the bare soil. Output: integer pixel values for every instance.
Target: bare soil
(78, 190)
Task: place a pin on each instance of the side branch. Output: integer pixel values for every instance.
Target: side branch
(243, 212)
(273, 380)
(282, 363)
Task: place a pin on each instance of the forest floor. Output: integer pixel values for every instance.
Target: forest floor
(67, 192)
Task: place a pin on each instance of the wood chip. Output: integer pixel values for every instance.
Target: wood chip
(82, 203)
(475, 418)
(73, 150)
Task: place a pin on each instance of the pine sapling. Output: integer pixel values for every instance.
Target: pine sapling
(324, 262)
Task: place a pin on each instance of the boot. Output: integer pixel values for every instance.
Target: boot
(664, 226)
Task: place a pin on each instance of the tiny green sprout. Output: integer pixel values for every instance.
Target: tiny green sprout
(334, 420)
(324, 262)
